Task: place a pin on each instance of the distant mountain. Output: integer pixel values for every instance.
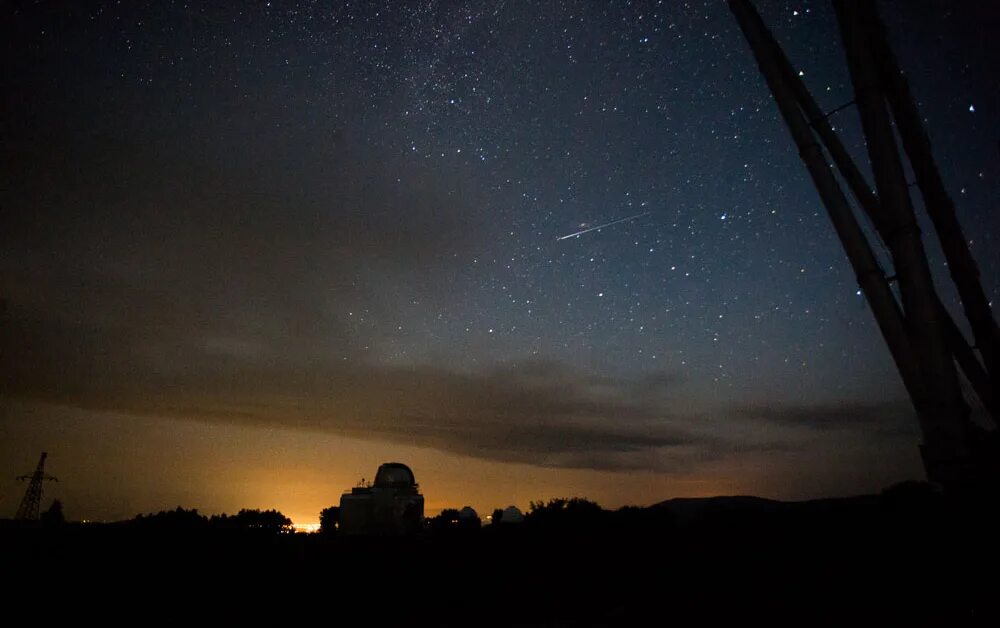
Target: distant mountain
(701, 509)
(690, 509)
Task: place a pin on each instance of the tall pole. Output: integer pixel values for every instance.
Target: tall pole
(870, 275)
(869, 202)
(940, 208)
(856, 182)
(942, 410)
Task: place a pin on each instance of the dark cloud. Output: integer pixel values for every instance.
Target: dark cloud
(277, 356)
(118, 348)
(130, 262)
(286, 362)
(207, 214)
(894, 417)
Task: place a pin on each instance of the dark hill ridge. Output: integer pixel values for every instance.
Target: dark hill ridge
(688, 510)
(911, 492)
(694, 507)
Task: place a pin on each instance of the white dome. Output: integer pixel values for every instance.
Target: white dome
(467, 514)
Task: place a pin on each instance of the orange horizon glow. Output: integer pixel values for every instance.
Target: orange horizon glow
(114, 466)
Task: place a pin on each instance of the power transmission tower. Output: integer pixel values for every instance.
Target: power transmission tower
(28, 510)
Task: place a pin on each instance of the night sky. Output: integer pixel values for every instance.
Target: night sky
(249, 253)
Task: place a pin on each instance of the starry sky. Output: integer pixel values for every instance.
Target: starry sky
(248, 251)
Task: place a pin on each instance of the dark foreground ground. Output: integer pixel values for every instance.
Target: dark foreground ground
(907, 558)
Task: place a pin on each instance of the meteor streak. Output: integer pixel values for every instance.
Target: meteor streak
(607, 224)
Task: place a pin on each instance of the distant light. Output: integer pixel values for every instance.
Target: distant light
(722, 217)
(972, 109)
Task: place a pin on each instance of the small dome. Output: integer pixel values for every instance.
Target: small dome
(394, 475)
(512, 514)
(467, 514)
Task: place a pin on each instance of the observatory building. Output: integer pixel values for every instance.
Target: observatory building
(512, 514)
(392, 505)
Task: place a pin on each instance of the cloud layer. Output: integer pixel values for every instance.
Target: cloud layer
(540, 413)
(162, 284)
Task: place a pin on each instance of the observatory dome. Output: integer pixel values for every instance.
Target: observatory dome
(394, 475)
(512, 514)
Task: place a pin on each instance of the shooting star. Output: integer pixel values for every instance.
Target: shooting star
(607, 224)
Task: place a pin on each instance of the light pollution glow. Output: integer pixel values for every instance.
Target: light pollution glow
(138, 465)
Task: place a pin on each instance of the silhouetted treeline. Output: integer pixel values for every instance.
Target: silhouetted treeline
(907, 556)
(262, 521)
(450, 521)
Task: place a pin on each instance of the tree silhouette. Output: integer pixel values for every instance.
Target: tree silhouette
(446, 521)
(564, 513)
(177, 519)
(329, 519)
(264, 521)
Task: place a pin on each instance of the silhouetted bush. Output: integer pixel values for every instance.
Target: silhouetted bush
(329, 519)
(264, 521)
(177, 519)
(445, 522)
(576, 512)
(180, 520)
